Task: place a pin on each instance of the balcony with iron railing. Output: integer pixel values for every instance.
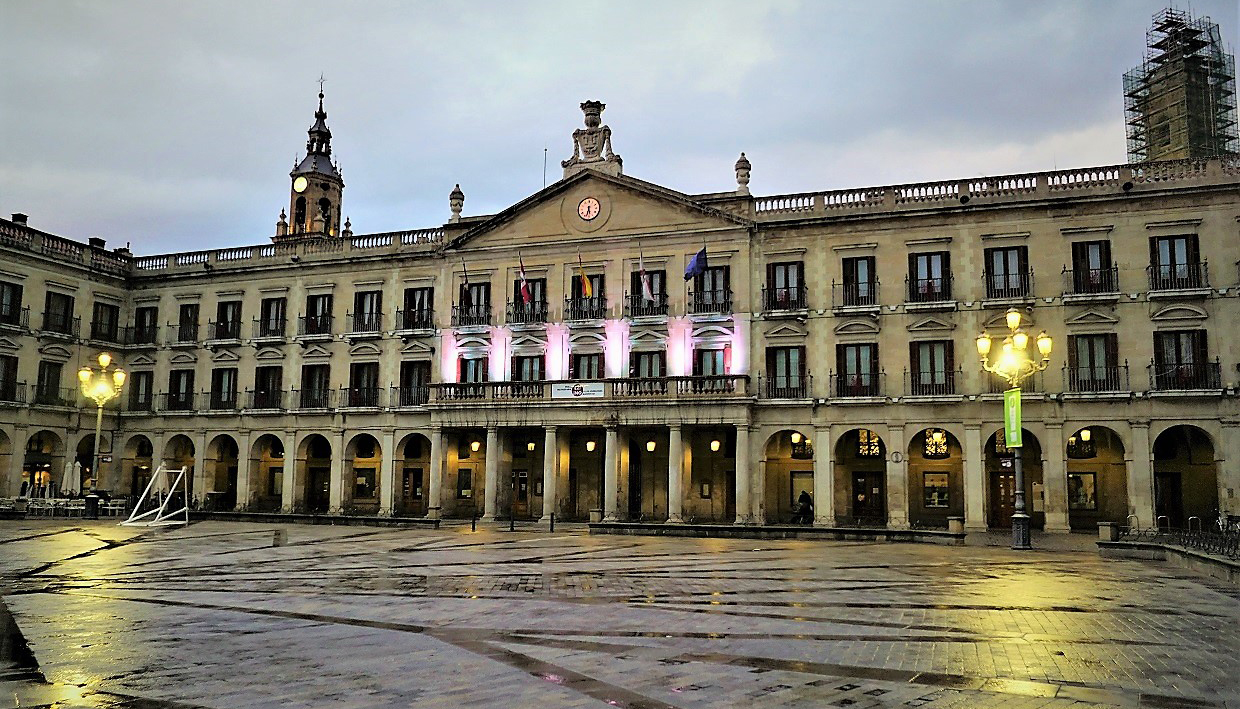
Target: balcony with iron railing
(786, 387)
(1009, 287)
(363, 324)
(184, 333)
(140, 404)
(355, 397)
(857, 385)
(710, 302)
(1081, 283)
(182, 401)
(415, 395)
(471, 315)
(929, 290)
(639, 306)
(61, 324)
(1096, 380)
(635, 388)
(55, 396)
(12, 392)
(861, 295)
(140, 335)
(223, 330)
(15, 318)
(311, 399)
(314, 327)
(269, 328)
(1191, 376)
(592, 308)
(1035, 383)
(222, 401)
(775, 300)
(1179, 277)
(107, 332)
(531, 313)
(415, 319)
(265, 399)
(933, 383)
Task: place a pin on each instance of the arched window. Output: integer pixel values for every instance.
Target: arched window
(299, 215)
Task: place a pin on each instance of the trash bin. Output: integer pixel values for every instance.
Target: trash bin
(92, 506)
(596, 515)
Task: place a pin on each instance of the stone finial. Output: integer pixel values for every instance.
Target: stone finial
(456, 202)
(348, 229)
(742, 175)
(282, 225)
(592, 144)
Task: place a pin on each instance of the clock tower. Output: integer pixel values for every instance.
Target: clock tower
(314, 200)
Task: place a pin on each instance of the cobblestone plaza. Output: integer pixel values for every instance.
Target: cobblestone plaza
(215, 616)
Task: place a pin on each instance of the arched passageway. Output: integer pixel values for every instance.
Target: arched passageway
(789, 472)
(935, 478)
(1185, 476)
(362, 459)
(413, 461)
(861, 478)
(267, 472)
(220, 467)
(1001, 480)
(1097, 478)
(314, 462)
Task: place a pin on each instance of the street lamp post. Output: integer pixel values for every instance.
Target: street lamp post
(1014, 365)
(100, 387)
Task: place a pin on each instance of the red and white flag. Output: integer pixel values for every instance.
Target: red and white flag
(526, 296)
(647, 292)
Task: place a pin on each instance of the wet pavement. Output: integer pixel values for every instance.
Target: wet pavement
(100, 616)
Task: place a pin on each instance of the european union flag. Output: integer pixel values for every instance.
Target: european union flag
(696, 265)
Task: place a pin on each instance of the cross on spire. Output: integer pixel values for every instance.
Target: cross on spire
(321, 82)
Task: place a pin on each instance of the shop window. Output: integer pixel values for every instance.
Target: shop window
(364, 482)
(1082, 491)
(464, 484)
(934, 490)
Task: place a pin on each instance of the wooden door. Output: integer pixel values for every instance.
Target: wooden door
(1002, 498)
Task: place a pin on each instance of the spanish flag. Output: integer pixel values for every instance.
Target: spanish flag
(587, 288)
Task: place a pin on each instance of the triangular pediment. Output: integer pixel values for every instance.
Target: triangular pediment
(225, 356)
(268, 354)
(1093, 316)
(55, 352)
(857, 327)
(365, 349)
(469, 340)
(9, 345)
(647, 337)
(416, 347)
(998, 321)
(627, 206)
(142, 360)
(315, 352)
(788, 329)
(587, 342)
(1179, 311)
(932, 324)
(526, 340)
(184, 358)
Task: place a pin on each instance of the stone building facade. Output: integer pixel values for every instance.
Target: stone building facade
(554, 357)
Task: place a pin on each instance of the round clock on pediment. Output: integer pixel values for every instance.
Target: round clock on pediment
(585, 213)
(588, 208)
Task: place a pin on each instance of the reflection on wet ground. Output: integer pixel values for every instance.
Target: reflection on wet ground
(215, 616)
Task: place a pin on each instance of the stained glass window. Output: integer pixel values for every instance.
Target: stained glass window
(936, 443)
(869, 445)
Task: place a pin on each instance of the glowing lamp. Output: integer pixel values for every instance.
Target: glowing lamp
(474, 446)
(714, 445)
(529, 446)
(1085, 435)
(1013, 319)
(940, 437)
(983, 344)
(1044, 344)
(796, 437)
(590, 446)
(118, 378)
(84, 374)
(1020, 341)
(104, 359)
(1072, 440)
(650, 446)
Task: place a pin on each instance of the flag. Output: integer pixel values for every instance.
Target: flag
(587, 288)
(526, 297)
(696, 265)
(647, 292)
(466, 300)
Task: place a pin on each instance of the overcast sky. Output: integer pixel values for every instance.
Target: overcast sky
(174, 125)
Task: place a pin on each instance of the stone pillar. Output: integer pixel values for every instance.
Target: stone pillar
(434, 483)
(490, 498)
(387, 474)
(611, 476)
(551, 456)
(744, 477)
(335, 490)
(17, 461)
(897, 478)
(824, 478)
(974, 478)
(288, 487)
(201, 485)
(1055, 479)
(244, 494)
(1141, 475)
(675, 475)
(1228, 468)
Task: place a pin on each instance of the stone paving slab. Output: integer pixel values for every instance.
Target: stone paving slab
(214, 616)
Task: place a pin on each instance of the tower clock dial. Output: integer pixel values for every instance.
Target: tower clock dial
(300, 184)
(588, 208)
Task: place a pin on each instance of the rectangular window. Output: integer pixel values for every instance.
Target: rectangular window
(658, 283)
(181, 390)
(579, 307)
(271, 318)
(1082, 493)
(586, 366)
(145, 325)
(318, 314)
(1092, 271)
(1007, 272)
(1180, 361)
(105, 322)
(858, 370)
(464, 483)
(785, 286)
(363, 483)
(419, 308)
(367, 311)
(141, 387)
(785, 373)
(860, 283)
(58, 313)
(224, 388)
(534, 311)
(712, 291)
(315, 386)
(932, 367)
(275, 480)
(47, 390)
(648, 365)
(527, 369)
(474, 306)
(474, 371)
(1093, 363)
(364, 384)
(709, 363)
(187, 322)
(929, 277)
(8, 378)
(227, 320)
(268, 387)
(415, 381)
(1175, 263)
(934, 490)
(10, 303)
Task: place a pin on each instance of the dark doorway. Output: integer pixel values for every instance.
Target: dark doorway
(1002, 498)
(320, 489)
(1169, 498)
(520, 494)
(868, 503)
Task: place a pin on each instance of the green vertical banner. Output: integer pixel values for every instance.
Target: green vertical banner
(1011, 417)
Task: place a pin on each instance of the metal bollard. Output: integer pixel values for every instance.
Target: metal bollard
(512, 522)
(552, 521)
(473, 522)
(280, 538)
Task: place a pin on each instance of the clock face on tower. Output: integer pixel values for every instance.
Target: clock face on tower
(588, 209)
(300, 184)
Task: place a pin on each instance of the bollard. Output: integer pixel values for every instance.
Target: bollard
(280, 538)
(512, 522)
(473, 522)
(553, 522)
(955, 525)
(1108, 532)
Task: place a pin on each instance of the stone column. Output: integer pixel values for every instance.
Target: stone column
(201, 474)
(611, 476)
(1229, 468)
(1055, 479)
(1141, 475)
(17, 461)
(243, 470)
(490, 499)
(824, 478)
(551, 456)
(335, 490)
(897, 478)
(434, 483)
(288, 487)
(974, 478)
(744, 477)
(387, 475)
(675, 475)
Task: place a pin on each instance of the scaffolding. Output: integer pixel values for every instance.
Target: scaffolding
(1181, 101)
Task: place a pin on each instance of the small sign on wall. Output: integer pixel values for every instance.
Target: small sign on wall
(577, 390)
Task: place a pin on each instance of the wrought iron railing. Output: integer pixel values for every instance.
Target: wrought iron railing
(705, 302)
(415, 395)
(222, 401)
(1215, 537)
(270, 327)
(415, 319)
(1086, 281)
(140, 334)
(592, 308)
(61, 323)
(266, 399)
(1008, 286)
(533, 312)
(1181, 276)
(54, 396)
(638, 306)
(929, 290)
(1184, 377)
(787, 387)
(937, 382)
(177, 401)
(467, 315)
(105, 332)
(1096, 379)
(224, 330)
(184, 333)
(15, 317)
(361, 397)
(864, 384)
(314, 325)
(311, 398)
(12, 392)
(854, 295)
(778, 299)
(365, 322)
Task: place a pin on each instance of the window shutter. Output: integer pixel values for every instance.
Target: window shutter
(1072, 358)
(841, 359)
(1200, 354)
(912, 274)
(950, 356)
(947, 275)
(1154, 252)
(874, 358)
(802, 364)
(1112, 345)
(914, 360)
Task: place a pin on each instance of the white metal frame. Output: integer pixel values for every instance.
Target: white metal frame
(161, 517)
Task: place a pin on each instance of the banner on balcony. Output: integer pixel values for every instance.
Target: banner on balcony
(1011, 418)
(577, 390)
